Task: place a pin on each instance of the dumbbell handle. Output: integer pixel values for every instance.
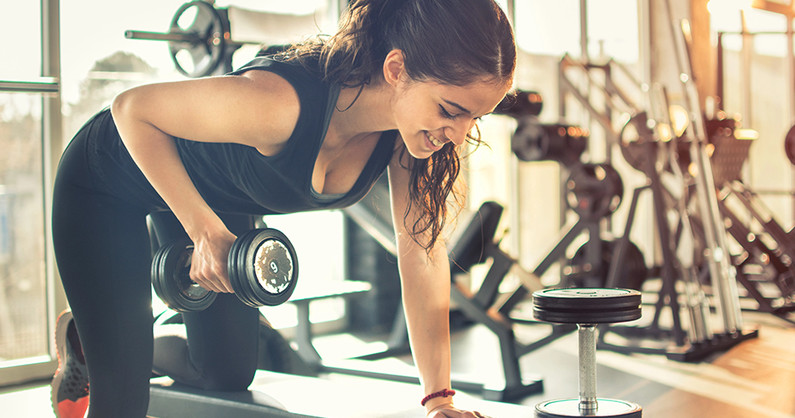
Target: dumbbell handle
(587, 336)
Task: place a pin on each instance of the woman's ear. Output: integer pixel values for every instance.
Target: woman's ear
(394, 67)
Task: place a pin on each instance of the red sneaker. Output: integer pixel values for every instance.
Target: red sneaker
(70, 383)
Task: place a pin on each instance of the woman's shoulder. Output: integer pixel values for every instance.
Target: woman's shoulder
(298, 71)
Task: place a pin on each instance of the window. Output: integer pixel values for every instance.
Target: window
(757, 89)
(545, 31)
(28, 121)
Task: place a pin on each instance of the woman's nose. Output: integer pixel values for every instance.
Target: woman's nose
(457, 132)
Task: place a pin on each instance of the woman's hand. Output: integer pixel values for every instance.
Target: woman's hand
(449, 411)
(209, 265)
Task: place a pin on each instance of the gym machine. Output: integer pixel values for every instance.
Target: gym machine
(764, 244)
(764, 264)
(593, 191)
(767, 256)
(650, 144)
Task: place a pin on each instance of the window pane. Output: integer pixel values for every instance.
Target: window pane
(21, 48)
(548, 27)
(23, 328)
(613, 31)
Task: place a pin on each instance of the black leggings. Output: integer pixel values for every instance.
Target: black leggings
(102, 249)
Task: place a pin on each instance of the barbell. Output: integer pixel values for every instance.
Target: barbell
(199, 39)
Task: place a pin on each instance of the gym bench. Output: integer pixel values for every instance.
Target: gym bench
(178, 401)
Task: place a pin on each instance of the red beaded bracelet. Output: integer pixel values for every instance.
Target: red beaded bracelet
(442, 393)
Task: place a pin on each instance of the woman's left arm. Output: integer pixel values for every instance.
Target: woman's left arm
(425, 285)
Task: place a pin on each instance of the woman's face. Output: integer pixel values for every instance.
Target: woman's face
(430, 114)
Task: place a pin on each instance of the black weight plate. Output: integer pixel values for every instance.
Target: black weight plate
(567, 408)
(594, 190)
(587, 316)
(530, 142)
(636, 141)
(158, 277)
(632, 272)
(184, 292)
(272, 267)
(237, 266)
(263, 267)
(599, 299)
(207, 49)
(170, 278)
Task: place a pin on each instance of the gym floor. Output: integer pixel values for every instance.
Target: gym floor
(755, 378)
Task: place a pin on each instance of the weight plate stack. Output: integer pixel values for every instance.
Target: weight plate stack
(263, 267)
(171, 279)
(586, 305)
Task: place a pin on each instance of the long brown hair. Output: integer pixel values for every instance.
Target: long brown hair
(455, 42)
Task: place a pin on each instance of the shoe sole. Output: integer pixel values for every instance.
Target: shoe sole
(61, 328)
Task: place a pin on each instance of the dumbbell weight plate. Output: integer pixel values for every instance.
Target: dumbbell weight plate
(203, 48)
(636, 140)
(171, 279)
(632, 271)
(263, 267)
(566, 408)
(586, 305)
(594, 191)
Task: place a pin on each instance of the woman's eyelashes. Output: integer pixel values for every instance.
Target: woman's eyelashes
(445, 113)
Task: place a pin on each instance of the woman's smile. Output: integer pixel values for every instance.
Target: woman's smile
(435, 144)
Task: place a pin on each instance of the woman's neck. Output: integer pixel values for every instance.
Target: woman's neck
(362, 111)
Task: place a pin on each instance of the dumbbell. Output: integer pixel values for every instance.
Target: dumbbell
(262, 265)
(586, 307)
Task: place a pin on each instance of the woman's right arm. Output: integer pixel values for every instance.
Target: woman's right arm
(258, 109)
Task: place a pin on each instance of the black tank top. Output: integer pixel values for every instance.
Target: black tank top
(236, 178)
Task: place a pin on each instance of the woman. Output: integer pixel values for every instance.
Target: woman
(398, 88)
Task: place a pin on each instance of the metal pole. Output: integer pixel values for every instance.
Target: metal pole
(52, 147)
(722, 272)
(791, 72)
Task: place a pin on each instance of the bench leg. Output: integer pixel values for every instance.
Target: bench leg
(303, 336)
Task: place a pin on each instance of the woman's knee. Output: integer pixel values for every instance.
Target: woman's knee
(228, 379)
